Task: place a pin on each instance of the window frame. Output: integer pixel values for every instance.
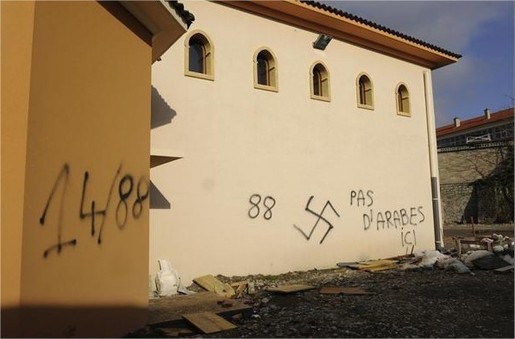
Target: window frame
(324, 83)
(399, 100)
(208, 57)
(361, 94)
(272, 70)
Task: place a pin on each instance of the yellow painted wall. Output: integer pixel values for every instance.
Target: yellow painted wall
(87, 142)
(17, 26)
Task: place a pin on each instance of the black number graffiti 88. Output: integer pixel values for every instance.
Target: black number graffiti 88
(137, 208)
(124, 191)
(268, 203)
(123, 199)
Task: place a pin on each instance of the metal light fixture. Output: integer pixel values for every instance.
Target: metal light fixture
(322, 41)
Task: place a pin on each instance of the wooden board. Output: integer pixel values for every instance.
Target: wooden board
(290, 288)
(379, 268)
(344, 290)
(168, 310)
(212, 284)
(376, 263)
(209, 322)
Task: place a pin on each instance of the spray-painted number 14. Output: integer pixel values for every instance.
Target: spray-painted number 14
(268, 203)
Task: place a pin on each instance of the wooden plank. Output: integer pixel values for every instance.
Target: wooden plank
(290, 288)
(376, 263)
(241, 288)
(212, 284)
(379, 268)
(208, 322)
(170, 309)
(344, 290)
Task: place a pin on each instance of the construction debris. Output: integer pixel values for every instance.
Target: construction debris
(168, 282)
(490, 262)
(240, 288)
(212, 284)
(170, 309)
(290, 288)
(209, 322)
(375, 265)
(505, 269)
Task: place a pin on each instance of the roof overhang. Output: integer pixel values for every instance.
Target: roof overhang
(160, 20)
(304, 16)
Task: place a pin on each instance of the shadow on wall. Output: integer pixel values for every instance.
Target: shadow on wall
(157, 199)
(162, 113)
(65, 322)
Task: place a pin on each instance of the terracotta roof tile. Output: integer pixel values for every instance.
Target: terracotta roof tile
(360, 20)
(186, 16)
(475, 122)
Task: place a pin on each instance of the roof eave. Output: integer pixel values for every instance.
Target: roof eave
(160, 20)
(305, 16)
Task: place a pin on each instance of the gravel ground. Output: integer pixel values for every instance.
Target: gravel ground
(406, 304)
(422, 303)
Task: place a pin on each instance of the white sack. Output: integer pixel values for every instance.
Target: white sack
(167, 280)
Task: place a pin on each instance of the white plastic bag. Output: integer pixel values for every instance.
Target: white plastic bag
(430, 257)
(167, 280)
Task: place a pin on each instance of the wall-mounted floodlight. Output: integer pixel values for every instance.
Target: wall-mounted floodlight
(322, 41)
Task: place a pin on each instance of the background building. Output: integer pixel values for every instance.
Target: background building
(75, 138)
(299, 136)
(476, 168)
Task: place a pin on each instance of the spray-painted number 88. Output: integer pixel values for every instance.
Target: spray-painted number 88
(268, 204)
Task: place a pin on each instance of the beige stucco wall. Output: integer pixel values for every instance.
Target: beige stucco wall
(87, 105)
(238, 141)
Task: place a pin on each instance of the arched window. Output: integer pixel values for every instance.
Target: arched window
(199, 56)
(320, 82)
(265, 70)
(403, 104)
(365, 92)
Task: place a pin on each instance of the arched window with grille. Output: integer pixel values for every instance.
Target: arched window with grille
(199, 56)
(265, 70)
(365, 92)
(320, 82)
(403, 102)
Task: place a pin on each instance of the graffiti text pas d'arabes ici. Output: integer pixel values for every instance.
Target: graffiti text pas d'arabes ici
(403, 219)
(88, 208)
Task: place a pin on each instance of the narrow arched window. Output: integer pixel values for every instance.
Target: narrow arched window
(403, 104)
(319, 82)
(365, 92)
(199, 56)
(265, 70)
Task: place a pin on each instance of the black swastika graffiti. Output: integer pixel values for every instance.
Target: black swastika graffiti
(320, 217)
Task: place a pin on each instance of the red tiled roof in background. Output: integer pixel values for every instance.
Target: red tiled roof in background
(475, 122)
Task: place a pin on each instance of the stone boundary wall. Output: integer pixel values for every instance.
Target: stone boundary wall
(464, 191)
